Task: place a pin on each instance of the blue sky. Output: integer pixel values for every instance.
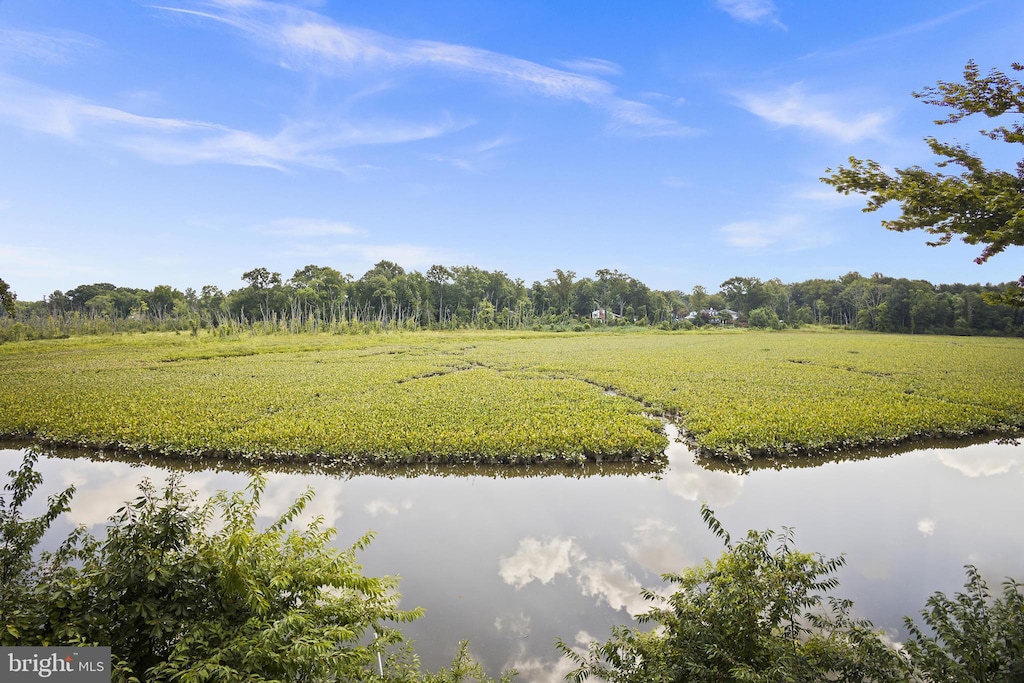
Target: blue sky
(184, 142)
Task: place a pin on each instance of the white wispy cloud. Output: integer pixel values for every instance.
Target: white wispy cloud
(335, 48)
(39, 262)
(473, 158)
(493, 144)
(752, 11)
(57, 47)
(460, 163)
(308, 41)
(307, 227)
(793, 107)
(898, 34)
(182, 141)
(591, 65)
(750, 234)
(637, 118)
(786, 233)
(307, 144)
(674, 100)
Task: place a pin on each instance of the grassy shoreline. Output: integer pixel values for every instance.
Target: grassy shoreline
(506, 398)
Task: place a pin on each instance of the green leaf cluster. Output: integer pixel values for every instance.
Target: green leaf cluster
(971, 636)
(764, 614)
(980, 205)
(25, 610)
(178, 602)
(7, 298)
(755, 614)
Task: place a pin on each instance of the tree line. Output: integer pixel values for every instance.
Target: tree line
(322, 299)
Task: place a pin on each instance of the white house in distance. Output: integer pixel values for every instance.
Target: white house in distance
(602, 316)
(726, 315)
(735, 315)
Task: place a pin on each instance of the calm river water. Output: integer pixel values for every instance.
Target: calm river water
(512, 562)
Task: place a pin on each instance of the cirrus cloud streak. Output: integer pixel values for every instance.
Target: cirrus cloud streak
(793, 107)
(182, 141)
(307, 41)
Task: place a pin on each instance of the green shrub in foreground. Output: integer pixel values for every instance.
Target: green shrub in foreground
(758, 614)
(971, 637)
(178, 603)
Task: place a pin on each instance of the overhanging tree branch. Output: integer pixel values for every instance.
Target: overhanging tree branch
(7, 298)
(981, 206)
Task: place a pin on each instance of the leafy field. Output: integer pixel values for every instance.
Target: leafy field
(749, 392)
(499, 397)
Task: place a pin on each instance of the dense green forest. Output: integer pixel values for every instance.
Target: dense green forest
(321, 298)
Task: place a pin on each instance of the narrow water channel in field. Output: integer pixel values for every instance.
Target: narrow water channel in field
(512, 562)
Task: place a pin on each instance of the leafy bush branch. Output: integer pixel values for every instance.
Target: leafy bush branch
(178, 603)
(762, 614)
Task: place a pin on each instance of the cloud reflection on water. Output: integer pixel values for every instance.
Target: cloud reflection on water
(977, 461)
(282, 491)
(539, 560)
(515, 626)
(655, 546)
(607, 580)
(545, 670)
(926, 526)
(688, 480)
(611, 582)
(101, 487)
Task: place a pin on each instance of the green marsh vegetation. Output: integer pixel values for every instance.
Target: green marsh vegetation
(506, 397)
